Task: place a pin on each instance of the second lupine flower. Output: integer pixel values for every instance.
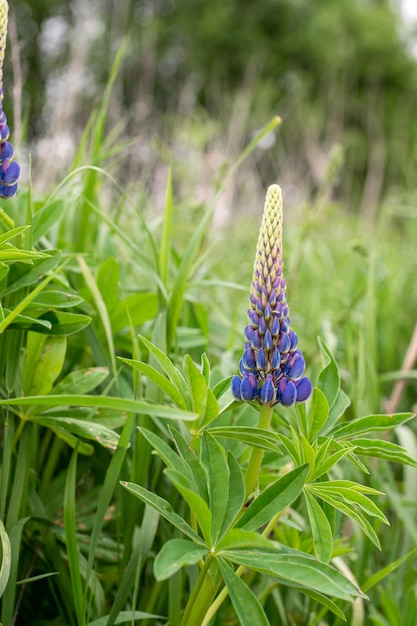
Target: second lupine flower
(9, 170)
(272, 366)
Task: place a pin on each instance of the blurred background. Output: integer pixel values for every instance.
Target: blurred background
(199, 79)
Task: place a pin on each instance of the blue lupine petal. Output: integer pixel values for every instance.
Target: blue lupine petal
(268, 342)
(284, 343)
(276, 359)
(12, 174)
(288, 392)
(304, 389)
(261, 360)
(249, 360)
(275, 327)
(267, 393)
(8, 191)
(236, 383)
(295, 367)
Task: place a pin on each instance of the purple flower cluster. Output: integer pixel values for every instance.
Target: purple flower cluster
(9, 169)
(272, 366)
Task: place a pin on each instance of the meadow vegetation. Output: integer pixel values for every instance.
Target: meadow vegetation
(124, 284)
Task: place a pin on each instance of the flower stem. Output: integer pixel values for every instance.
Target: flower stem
(257, 455)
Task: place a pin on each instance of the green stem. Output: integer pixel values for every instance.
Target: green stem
(202, 594)
(257, 454)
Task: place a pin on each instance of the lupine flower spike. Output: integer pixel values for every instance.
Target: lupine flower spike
(9, 170)
(272, 366)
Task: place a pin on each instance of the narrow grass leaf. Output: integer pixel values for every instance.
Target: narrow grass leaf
(320, 529)
(247, 606)
(106, 402)
(6, 558)
(274, 499)
(70, 532)
(164, 508)
(165, 249)
(376, 578)
(125, 617)
(175, 554)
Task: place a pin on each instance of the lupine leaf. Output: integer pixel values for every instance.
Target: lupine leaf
(296, 569)
(11, 234)
(81, 381)
(32, 274)
(159, 379)
(322, 599)
(236, 494)
(247, 606)
(213, 458)
(328, 380)
(211, 410)
(82, 428)
(197, 505)
(274, 499)
(45, 217)
(320, 529)
(348, 509)
(257, 437)
(174, 554)
(168, 367)
(52, 298)
(241, 539)
(338, 409)
(164, 508)
(383, 449)
(319, 412)
(197, 385)
(65, 323)
(369, 424)
(323, 466)
(44, 359)
(167, 454)
(141, 307)
(15, 254)
(189, 457)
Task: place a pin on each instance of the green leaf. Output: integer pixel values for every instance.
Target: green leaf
(106, 402)
(12, 234)
(10, 254)
(197, 505)
(81, 381)
(196, 470)
(6, 558)
(82, 428)
(197, 384)
(213, 459)
(211, 410)
(338, 409)
(296, 569)
(52, 298)
(31, 274)
(167, 366)
(70, 532)
(64, 323)
(44, 359)
(164, 508)
(159, 379)
(252, 436)
(165, 249)
(125, 617)
(383, 449)
(319, 412)
(320, 529)
(236, 494)
(329, 379)
(274, 499)
(140, 307)
(368, 424)
(376, 578)
(171, 459)
(238, 539)
(324, 462)
(174, 554)
(247, 607)
(322, 599)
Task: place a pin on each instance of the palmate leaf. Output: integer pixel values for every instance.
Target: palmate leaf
(296, 569)
(175, 554)
(274, 499)
(257, 437)
(383, 450)
(247, 606)
(213, 458)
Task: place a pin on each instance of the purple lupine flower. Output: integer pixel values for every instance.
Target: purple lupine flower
(9, 169)
(272, 366)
